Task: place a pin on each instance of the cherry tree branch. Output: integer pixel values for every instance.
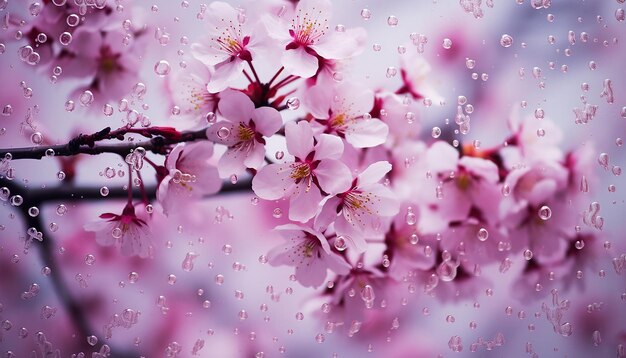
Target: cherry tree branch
(160, 139)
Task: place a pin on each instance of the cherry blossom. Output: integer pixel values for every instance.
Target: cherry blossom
(187, 90)
(308, 250)
(188, 175)
(231, 42)
(127, 230)
(308, 36)
(466, 184)
(359, 212)
(242, 131)
(316, 171)
(345, 112)
(104, 59)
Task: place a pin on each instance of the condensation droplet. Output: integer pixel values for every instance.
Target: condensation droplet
(162, 68)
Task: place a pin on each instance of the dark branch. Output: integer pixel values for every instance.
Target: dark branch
(86, 144)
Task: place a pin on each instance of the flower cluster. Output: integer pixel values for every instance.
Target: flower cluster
(369, 197)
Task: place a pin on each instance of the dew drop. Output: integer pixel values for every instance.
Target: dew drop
(506, 40)
(545, 212)
(162, 68)
(86, 98)
(482, 234)
(223, 133)
(366, 14)
(293, 103)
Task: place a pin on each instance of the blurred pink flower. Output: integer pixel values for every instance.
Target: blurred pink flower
(308, 250)
(189, 175)
(132, 233)
(108, 59)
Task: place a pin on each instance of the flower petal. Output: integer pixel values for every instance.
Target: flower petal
(267, 120)
(334, 176)
(367, 133)
(272, 182)
(236, 106)
(299, 139)
(300, 63)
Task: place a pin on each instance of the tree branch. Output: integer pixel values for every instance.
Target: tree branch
(86, 144)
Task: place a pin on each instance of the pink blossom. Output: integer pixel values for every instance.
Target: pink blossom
(532, 188)
(401, 116)
(358, 212)
(242, 132)
(187, 89)
(408, 248)
(415, 71)
(308, 250)
(315, 171)
(102, 57)
(344, 111)
(231, 42)
(189, 175)
(132, 233)
(467, 183)
(307, 37)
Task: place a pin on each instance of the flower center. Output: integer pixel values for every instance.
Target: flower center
(300, 171)
(245, 133)
(463, 181)
(306, 30)
(338, 120)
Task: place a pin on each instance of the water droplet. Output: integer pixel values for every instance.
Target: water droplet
(566, 329)
(528, 255)
(33, 211)
(506, 40)
(447, 43)
(90, 260)
(16, 200)
(223, 133)
(7, 110)
(92, 340)
(171, 279)
(36, 138)
(86, 98)
(211, 117)
(227, 249)
(187, 264)
(72, 20)
(539, 113)
(340, 243)
(293, 103)
(392, 20)
(603, 160)
(133, 277)
(620, 14)
(410, 217)
(366, 14)
(320, 338)
(162, 68)
(482, 234)
(545, 212)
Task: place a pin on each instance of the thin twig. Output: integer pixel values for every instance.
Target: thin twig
(156, 145)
